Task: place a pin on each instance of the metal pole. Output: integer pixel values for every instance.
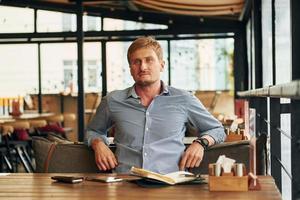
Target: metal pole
(80, 72)
(40, 97)
(104, 75)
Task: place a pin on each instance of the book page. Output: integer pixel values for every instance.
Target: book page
(180, 176)
(171, 178)
(149, 174)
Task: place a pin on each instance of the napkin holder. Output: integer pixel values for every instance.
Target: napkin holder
(227, 181)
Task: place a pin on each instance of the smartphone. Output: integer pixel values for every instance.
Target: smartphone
(109, 179)
(68, 179)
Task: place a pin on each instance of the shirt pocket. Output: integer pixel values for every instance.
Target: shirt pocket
(170, 120)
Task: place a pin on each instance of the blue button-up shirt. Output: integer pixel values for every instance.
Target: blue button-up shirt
(151, 137)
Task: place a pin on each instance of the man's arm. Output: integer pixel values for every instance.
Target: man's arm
(96, 137)
(208, 127)
(193, 155)
(104, 157)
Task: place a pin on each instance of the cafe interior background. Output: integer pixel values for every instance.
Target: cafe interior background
(236, 61)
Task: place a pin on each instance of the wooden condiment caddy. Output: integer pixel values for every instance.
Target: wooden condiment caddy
(234, 136)
(227, 181)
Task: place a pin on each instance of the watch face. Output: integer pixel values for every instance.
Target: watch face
(204, 141)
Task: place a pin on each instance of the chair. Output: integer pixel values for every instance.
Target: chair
(35, 125)
(56, 119)
(19, 148)
(56, 122)
(4, 152)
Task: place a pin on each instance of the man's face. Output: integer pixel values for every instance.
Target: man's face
(145, 67)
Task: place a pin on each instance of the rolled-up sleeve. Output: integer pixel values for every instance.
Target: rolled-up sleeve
(100, 124)
(204, 121)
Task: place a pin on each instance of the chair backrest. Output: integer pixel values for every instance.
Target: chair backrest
(54, 157)
(69, 116)
(20, 124)
(37, 123)
(6, 130)
(56, 119)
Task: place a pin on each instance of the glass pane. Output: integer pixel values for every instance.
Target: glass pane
(16, 20)
(49, 21)
(59, 67)
(118, 73)
(267, 42)
(249, 51)
(18, 69)
(202, 64)
(283, 42)
(117, 24)
(286, 153)
(91, 23)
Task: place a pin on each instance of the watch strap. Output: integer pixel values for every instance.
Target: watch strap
(203, 142)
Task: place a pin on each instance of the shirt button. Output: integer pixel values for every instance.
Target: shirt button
(147, 113)
(145, 154)
(147, 129)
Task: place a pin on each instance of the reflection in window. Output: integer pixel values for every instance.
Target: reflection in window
(202, 64)
(19, 69)
(16, 20)
(118, 72)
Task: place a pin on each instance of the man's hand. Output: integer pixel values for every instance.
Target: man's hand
(192, 156)
(104, 157)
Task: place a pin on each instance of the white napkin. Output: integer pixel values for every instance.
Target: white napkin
(226, 163)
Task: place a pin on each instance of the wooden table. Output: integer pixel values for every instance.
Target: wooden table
(40, 186)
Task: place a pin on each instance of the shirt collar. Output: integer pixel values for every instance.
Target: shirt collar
(132, 92)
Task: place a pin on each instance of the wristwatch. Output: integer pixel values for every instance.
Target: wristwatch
(203, 142)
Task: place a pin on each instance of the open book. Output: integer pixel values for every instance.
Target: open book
(171, 178)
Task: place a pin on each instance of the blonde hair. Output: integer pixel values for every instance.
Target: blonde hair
(145, 42)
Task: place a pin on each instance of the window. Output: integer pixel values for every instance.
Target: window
(49, 21)
(249, 51)
(283, 41)
(16, 20)
(116, 24)
(18, 76)
(267, 42)
(91, 23)
(59, 67)
(202, 64)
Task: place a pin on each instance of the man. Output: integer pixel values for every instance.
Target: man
(150, 120)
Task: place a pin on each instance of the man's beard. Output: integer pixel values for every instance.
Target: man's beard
(145, 83)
